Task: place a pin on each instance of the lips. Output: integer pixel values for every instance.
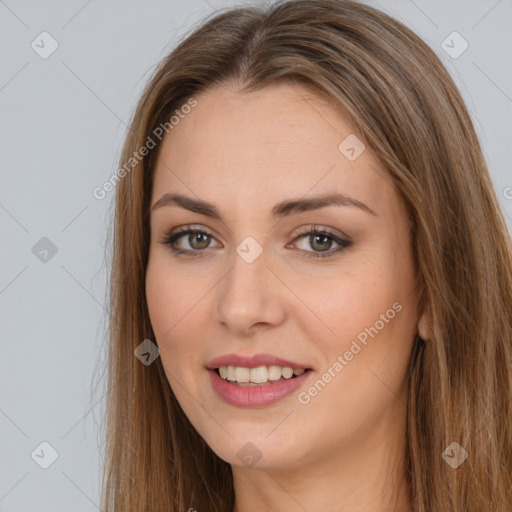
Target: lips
(254, 361)
(260, 395)
(251, 394)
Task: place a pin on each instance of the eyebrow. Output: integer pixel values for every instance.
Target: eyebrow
(280, 210)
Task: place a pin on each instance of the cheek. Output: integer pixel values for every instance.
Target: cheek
(352, 301)
(172, 305)
(367, 313)
(373, 318)
(172, 297)
(161, 300)
(175, 302)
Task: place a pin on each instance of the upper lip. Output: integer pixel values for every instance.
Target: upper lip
(253, 361)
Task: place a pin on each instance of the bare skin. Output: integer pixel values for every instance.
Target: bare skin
(344, 448)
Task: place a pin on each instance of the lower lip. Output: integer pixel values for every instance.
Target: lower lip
(255, 396)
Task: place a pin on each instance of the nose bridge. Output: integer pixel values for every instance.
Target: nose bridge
(248, 296)
(248, 276)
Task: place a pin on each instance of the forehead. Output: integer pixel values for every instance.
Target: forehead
(260, 147)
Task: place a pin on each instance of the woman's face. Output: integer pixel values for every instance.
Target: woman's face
(255, 282)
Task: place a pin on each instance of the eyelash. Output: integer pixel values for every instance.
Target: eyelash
(170, 239)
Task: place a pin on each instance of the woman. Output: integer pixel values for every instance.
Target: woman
(309, 234)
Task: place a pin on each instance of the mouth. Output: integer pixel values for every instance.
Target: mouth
(256, 380)
(259, 376)
(235, 386)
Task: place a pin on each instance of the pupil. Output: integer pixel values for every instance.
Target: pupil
(195, 238)
(321, 237)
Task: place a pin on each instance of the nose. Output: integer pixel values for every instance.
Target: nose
(250, 297)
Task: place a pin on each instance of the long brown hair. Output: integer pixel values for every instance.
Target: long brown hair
(393, 88)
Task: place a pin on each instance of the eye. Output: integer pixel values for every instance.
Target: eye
(198, 240)
(320, 240)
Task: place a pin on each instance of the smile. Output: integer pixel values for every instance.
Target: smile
(260, 375)
(237, 386)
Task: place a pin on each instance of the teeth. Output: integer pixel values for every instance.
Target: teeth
(242, 374)
(259, 375)
(287, 372)
(274, 372)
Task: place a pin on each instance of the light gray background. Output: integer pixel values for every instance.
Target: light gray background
(62, 124)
